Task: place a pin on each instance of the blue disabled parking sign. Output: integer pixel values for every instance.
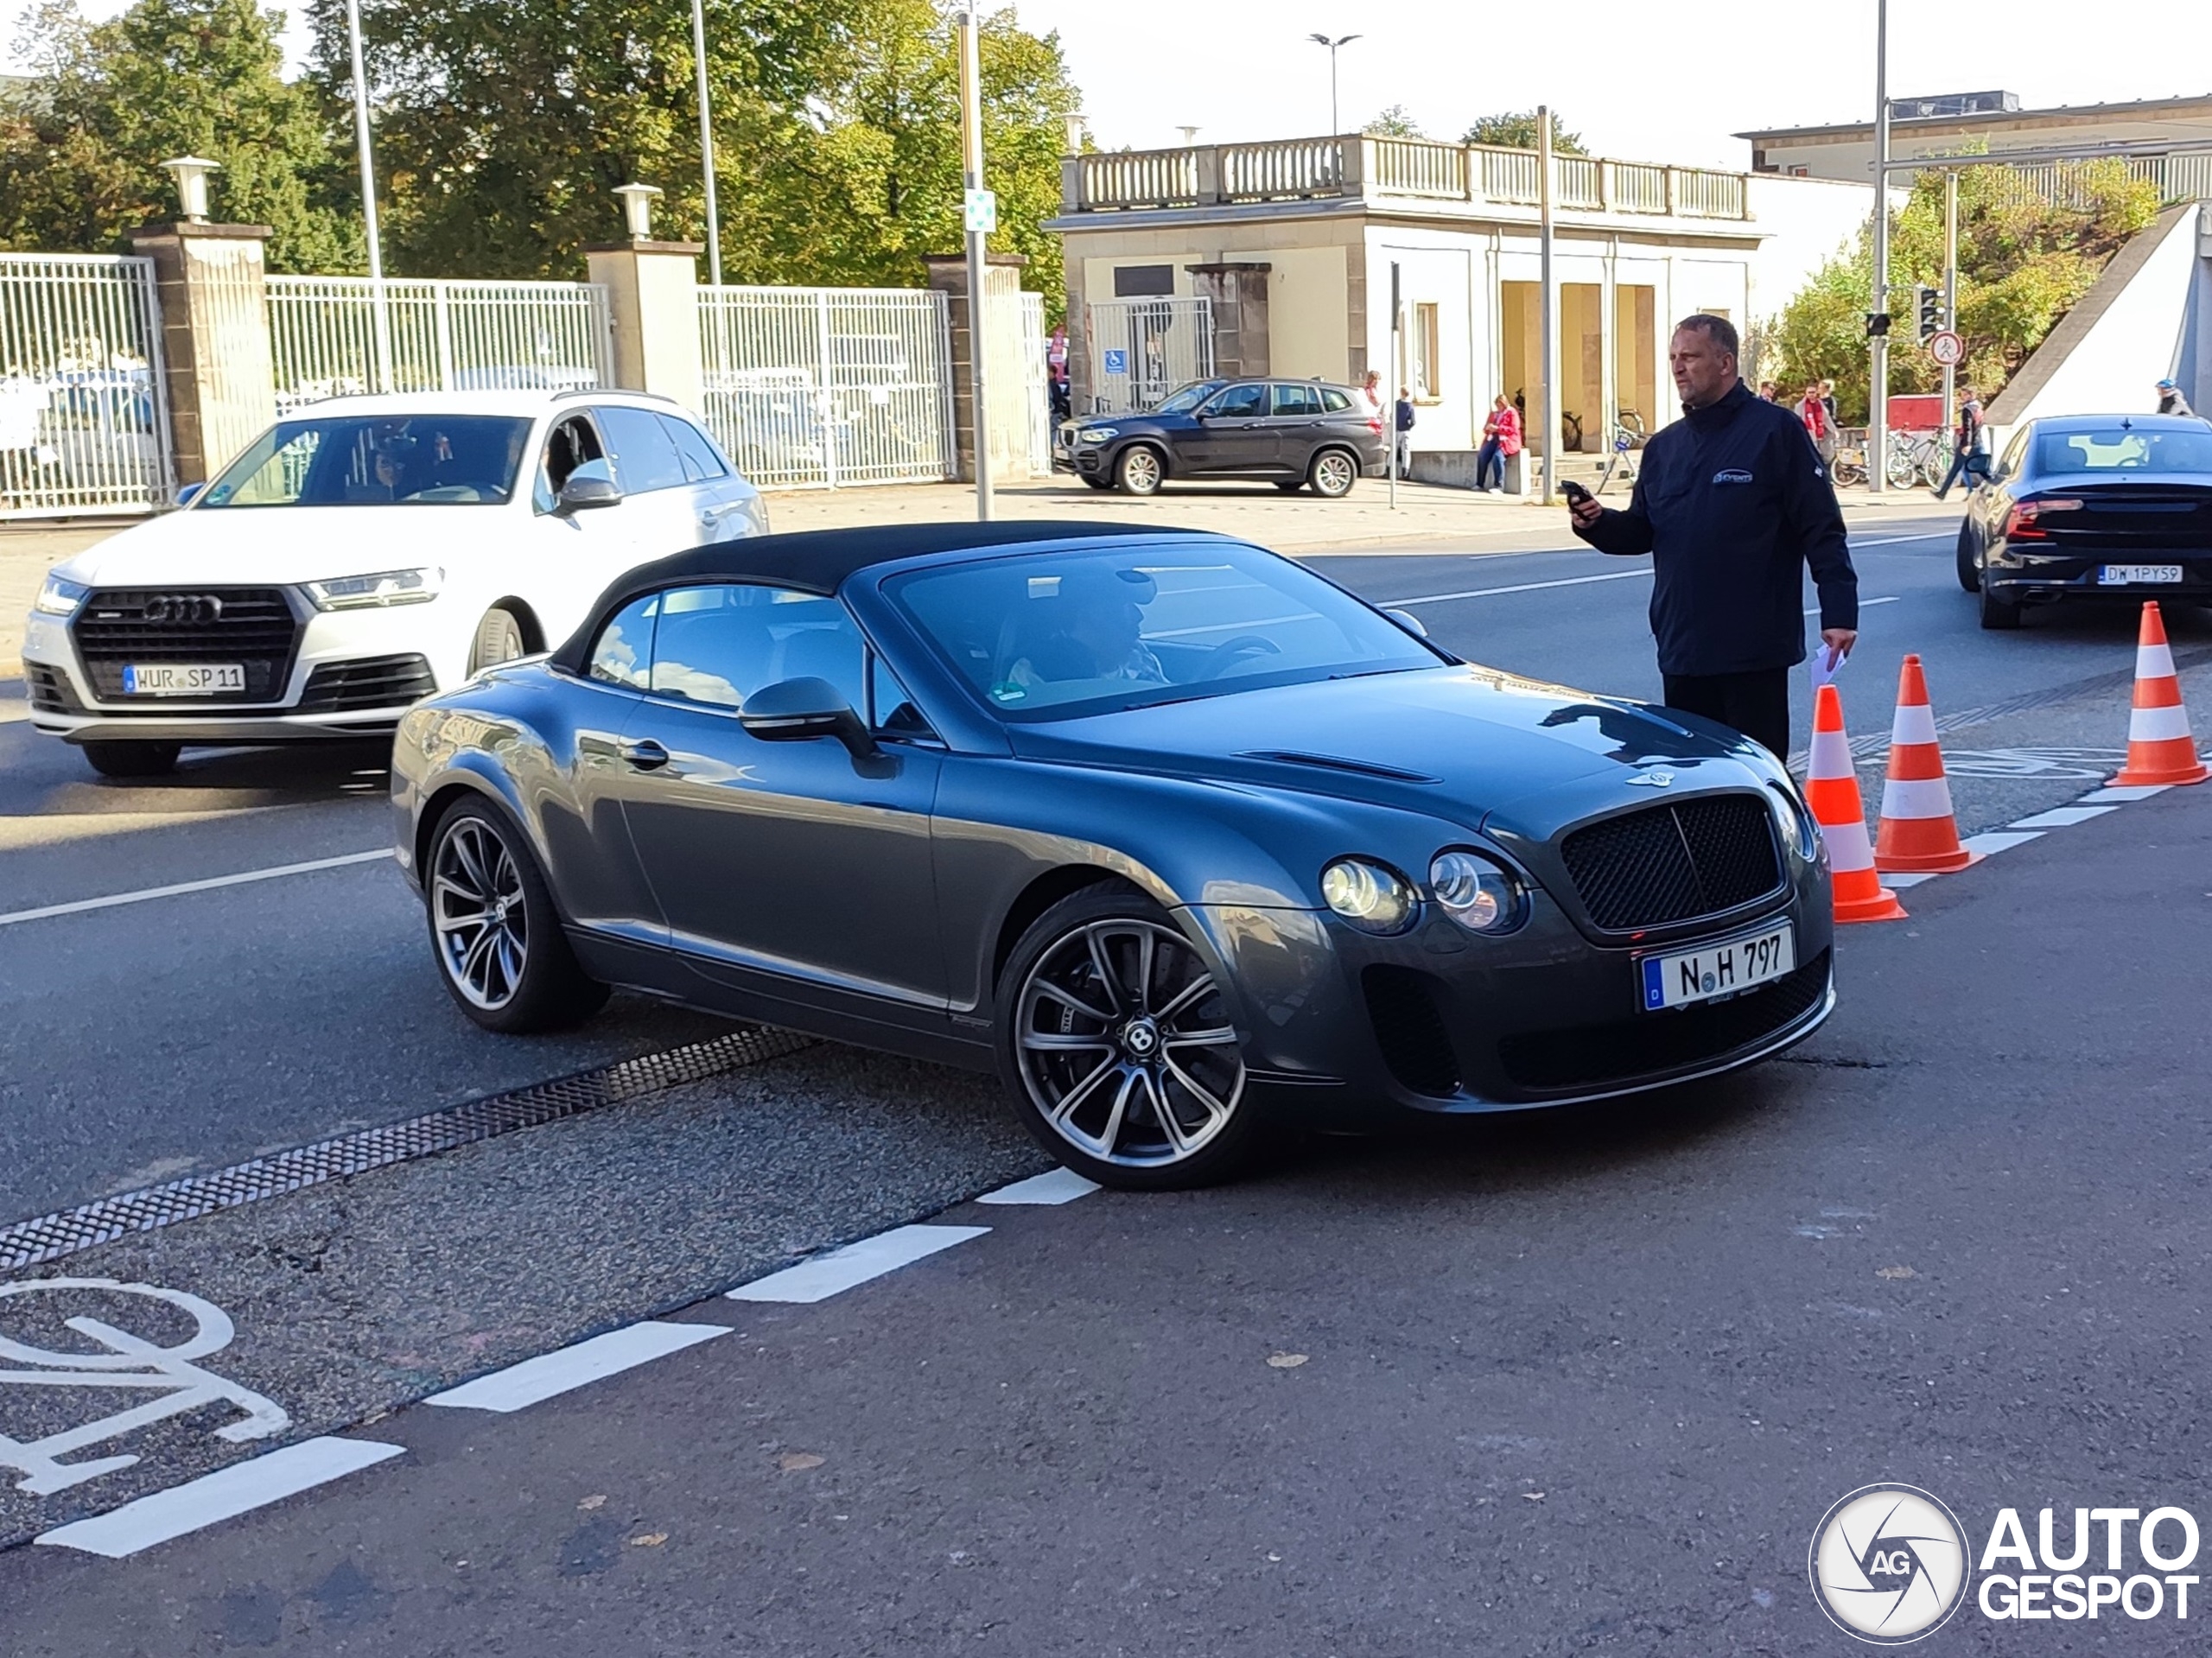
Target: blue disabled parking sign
(1117, 362)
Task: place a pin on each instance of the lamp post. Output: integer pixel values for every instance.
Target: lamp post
(191, 173)
(380, 315)
(638, 209)
(971, 167)
(1341, 40)
(1878, 399)
(707, 144)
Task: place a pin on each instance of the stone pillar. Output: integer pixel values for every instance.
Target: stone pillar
(1239, 293)
(1004, 363)
(652, 292)
(219, 372)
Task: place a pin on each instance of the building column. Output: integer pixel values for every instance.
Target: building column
(219, 373)
(1005, 365)
(652, 294)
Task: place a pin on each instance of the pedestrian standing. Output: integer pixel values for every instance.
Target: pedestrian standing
(2171, 402)
(1818, 419)
(1828, 402)
(1501, 437)
(1731, 503)
(1969, 445)
(1371, 389)
(1402, 422)
(1770, 392)
(1055, 372)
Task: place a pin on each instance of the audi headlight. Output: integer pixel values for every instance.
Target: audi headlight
(1371, 897)
(60, 596)
(1480, 895)
(1098, 434)
(1795, 823)
(374, 591)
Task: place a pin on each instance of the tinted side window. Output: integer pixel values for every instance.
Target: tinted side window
(717, 645)
(1297, 400)
(1240, 400)
(644, 456)
(1334, 401)
(624, 652)
(700, 460)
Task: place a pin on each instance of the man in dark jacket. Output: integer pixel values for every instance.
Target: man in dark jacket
(1732, 503)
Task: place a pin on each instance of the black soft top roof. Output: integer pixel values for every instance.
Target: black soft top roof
(820, 561)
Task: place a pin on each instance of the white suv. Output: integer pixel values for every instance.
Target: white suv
(362, 553)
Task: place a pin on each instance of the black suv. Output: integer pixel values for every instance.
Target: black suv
(1292, 433)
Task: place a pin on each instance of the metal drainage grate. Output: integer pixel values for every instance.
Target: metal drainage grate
(29, 1242)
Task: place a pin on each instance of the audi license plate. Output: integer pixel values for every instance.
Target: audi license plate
(1716, 970)
(2121, 575)
(182, 678)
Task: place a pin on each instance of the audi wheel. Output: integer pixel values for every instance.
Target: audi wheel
(498, 940)
(498, 639)
(1116, 1044)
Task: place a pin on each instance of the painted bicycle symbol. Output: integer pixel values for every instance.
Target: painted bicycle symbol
(130, 1362)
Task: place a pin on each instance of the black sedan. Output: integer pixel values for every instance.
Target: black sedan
(1293, 434)
(2093, 506)
(1174, 834)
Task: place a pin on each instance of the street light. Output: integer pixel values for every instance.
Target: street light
(1341, 40)
(706, 142)
(380, 314)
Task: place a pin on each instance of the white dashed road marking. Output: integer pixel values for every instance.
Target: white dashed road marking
(520, 1386)
(2062, 818)
(1999, 841)
(146, 893)
(856, 1263)
(1055, 1186)
(220, 1496)
(1524, 586)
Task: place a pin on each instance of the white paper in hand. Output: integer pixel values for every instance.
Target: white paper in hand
(1824, 664)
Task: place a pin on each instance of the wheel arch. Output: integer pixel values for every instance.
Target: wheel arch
(1040, 895)
(471, 785)
(1158, 445)
(525, 614)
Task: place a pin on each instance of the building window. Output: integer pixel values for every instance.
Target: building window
(1425, 367)
(1143, 281)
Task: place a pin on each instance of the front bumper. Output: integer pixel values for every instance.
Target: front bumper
(1440, 1020)
(2024, 576)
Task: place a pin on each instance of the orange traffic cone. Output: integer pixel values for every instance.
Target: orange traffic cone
(1832, 790)
(2159, 747)
(1918, 833)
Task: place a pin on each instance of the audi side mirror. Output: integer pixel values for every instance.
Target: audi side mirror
(800, 710)
(188, 493)
(592, 484)
(1407, 620)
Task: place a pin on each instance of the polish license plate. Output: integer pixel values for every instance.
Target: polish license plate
(1715, 970)
(2121, 575)
(182, 678)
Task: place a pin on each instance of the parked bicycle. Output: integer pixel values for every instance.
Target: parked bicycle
(1922, 457)
(1624, 441)
(1849, 467)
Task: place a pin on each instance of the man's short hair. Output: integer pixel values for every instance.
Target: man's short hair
(1719, 329)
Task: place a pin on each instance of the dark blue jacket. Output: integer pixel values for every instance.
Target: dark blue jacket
(1731, 501)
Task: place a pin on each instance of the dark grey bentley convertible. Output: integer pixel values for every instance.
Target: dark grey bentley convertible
(1176, 835)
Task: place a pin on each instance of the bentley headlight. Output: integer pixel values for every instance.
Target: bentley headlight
(60, 596)
(1795, 823)
(1098, 434)
(1480, 895)
(374, 591)
(1371, 897)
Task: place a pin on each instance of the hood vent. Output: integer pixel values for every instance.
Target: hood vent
(1338, 762)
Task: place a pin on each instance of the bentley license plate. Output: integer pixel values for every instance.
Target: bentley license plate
(2121, 575)
(182, 678)
(1716, 970)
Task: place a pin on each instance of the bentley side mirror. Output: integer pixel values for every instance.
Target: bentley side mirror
(799, 710)
(592, 484)
(1407, 620)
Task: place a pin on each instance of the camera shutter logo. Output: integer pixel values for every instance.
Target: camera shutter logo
(1888, 1564)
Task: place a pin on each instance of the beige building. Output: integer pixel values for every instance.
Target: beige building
(1292, 241)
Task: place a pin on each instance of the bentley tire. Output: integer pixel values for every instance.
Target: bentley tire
(1115, 1042)
(498, 940)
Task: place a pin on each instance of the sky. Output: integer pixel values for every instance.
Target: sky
(1662, 81)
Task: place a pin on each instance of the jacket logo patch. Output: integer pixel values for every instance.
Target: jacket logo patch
(1731, 475)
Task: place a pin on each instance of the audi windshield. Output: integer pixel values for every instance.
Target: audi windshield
(357, 461)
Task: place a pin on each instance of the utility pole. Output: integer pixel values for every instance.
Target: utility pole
(972, 169)
(1549, 306)
(380, 318)
(1950, 283)
(1878, 400)
(1341, 40)
(706, 143)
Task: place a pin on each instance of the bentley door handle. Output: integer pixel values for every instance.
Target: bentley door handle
(645, 755)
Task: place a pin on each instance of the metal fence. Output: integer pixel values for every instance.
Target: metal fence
(1037, 385)
(331, 338)
(829, 386)
(1142, 350)
(84, 425)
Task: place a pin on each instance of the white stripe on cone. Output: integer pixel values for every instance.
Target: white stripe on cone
(1830, 757)
(1915, 798)
(2157, 725)
(1915, 723)
(1848, 847)
(2154, 662)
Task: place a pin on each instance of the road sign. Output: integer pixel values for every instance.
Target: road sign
(982, 211)
(1947, 348)
(1117, 362)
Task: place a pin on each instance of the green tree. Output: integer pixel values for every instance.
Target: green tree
(1517, 130)
(80, 147)
(1395, 122)
(2023, 262)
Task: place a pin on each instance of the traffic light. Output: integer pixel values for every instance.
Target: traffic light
(1931, 311)
(1878, 324)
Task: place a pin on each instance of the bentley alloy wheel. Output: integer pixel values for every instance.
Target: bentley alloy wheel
(1123, 1047)
(492, 923)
